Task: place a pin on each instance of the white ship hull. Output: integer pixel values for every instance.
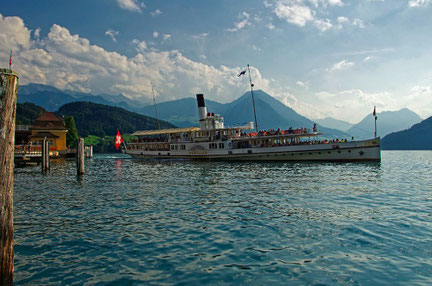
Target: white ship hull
(367, 150)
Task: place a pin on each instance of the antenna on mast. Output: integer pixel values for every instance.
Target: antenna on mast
(154, 102)
(253, 101)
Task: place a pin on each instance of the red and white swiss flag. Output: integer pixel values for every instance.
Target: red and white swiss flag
(118, 140)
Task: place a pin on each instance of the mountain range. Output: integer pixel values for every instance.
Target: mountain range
(387, 122)
(418, 137)
(271, 113)
(51, 98)
(334, 123)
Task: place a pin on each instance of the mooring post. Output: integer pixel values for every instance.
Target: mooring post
(48, 164)
(80, 157)
(45, 156)
(8, 93)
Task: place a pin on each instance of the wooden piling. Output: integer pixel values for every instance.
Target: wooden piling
(80, 157)
(8, 92)
(45, 156)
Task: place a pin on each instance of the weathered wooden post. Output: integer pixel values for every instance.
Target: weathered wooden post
(45, 156)
(80, 157)
(8, 92)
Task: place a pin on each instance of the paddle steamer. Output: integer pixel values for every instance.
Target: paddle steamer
(213, 141)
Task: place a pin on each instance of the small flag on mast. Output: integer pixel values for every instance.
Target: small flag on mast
(242, 73)
(118, 140)
(10, 60)
(374, 112)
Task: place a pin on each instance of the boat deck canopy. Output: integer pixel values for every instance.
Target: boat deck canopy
(165, 131)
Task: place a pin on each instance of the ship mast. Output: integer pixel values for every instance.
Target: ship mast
(156, 113)
(253, 101)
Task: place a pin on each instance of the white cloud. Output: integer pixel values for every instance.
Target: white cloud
(301, 12)
(155, 13)
(37, 33)
(155, 34)
(267, 4)
(335, 2)
(352, 105)
(323, 25)
(344, 64)
(166, 37)
(112, 34)
(294, 13)
(131, 5)
(342, 21)
(70, 61)
(419, 3)
(243, 21)
(141, 46)
(14, 35)
(358, 23)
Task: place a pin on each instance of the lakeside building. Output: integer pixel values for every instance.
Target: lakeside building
(52, 127)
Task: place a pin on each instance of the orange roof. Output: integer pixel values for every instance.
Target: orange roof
(49, 120)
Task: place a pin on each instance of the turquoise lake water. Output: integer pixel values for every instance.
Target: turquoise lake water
(134, 222)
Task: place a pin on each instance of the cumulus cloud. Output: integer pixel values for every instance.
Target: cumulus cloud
(419, 3)
(302, 12)
(166, 37)
(243, 21)
(155, 34)
(70, 61)
(36, 33)
(131, 5)
(294, 13)
(112, 34)
(344, 64)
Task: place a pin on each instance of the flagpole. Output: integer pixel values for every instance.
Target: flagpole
(253, 101)
(375, 133)
(10, 60)
(156, 113)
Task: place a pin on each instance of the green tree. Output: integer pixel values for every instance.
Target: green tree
(72, 134)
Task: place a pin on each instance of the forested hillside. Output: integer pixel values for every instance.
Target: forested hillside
(102, 120)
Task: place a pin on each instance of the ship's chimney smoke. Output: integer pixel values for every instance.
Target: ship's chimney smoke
(202, 110)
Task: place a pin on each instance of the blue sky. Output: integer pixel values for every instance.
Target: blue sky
(334, 58)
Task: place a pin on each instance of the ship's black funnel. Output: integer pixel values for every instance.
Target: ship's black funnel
(200, 100)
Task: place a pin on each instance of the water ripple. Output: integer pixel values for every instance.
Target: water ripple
(129, 222)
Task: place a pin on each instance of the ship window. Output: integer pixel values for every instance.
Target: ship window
(339, 151)
(221, 146)
(172, 147)
(349, 151)
(212, 146)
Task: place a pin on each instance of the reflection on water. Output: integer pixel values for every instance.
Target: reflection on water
(132, 221)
